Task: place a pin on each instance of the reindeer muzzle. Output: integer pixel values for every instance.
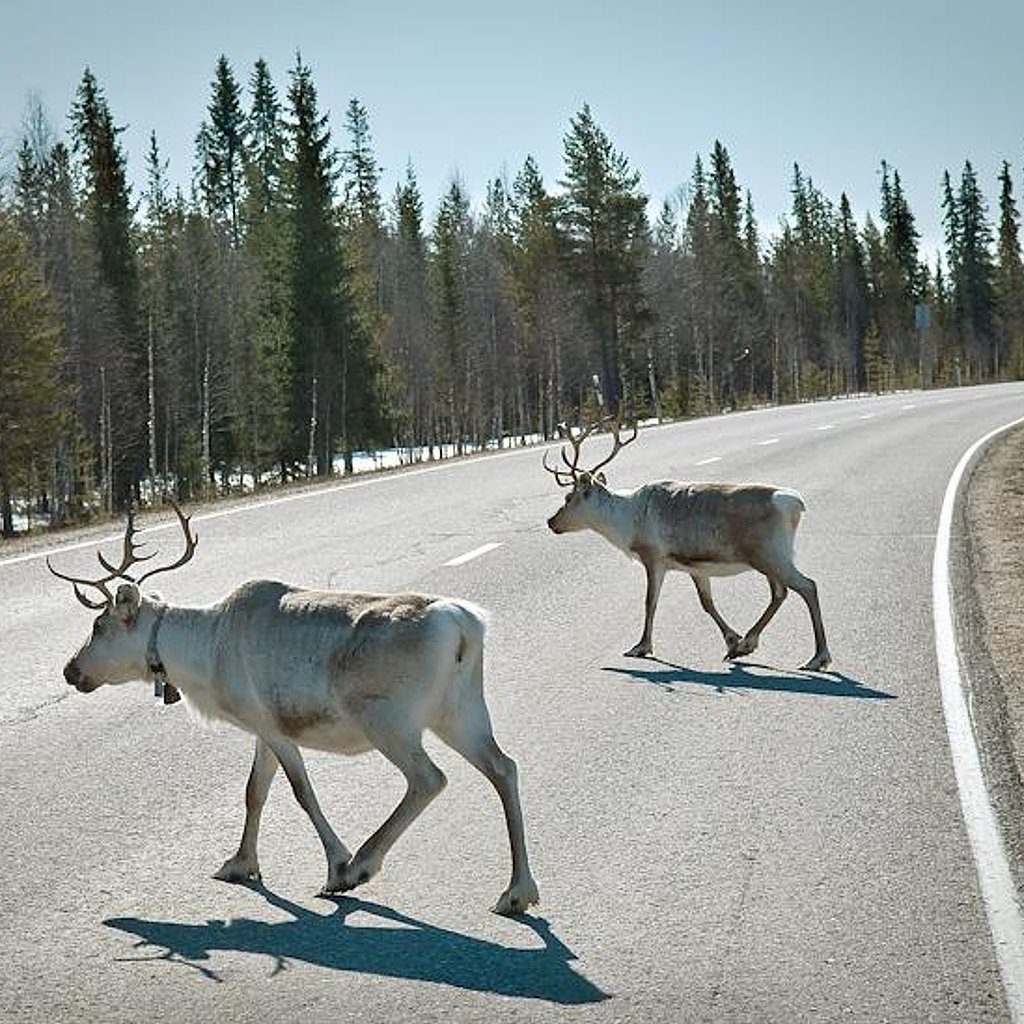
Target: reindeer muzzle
(73, 676)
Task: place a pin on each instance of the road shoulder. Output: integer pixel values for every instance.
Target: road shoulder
(988, 579)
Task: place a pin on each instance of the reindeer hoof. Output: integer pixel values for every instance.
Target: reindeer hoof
(818, 663)
(740, 647)
(346, 876)
(640, 651)
(516, 899)
(239, 870)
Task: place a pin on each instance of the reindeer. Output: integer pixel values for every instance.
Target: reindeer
(704, 529)
(323, 669)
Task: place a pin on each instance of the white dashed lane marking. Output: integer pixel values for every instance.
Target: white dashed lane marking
(475, 553)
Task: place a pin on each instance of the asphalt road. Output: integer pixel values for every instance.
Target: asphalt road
(712, 842)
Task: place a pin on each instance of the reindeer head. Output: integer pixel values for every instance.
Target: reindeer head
(586, 485)
(116, 650)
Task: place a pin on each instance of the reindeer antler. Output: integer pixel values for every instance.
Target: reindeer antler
(191, 542)
(129, 557)
(569, 479)
(618, 444)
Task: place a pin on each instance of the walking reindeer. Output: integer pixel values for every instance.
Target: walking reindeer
(704, 529)
(323, 669)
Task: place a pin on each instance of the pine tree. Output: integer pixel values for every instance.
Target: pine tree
(852, 298)
(32, 397)
(221, 150)
(803, 295)
(902, 280)
(973, 285)
(1009, 280)
(700, 289)
(737, 320)
(265, 152)
(333, 368)
(363, 242)
(406, 344)
(900, 233)
(360, 171)
(449, 290)
(542, 313)
(263, 403)
(108, 214)
(604, 220)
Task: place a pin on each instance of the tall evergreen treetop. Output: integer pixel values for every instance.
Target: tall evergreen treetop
(362, 173)
(266, 143)
(222, 151)
(900, 232)
(107, 194)
(605, 221)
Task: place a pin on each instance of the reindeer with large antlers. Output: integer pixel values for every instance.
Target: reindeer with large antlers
(704, 529)
(329, 670)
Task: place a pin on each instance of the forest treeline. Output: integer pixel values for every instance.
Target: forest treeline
(284, 312)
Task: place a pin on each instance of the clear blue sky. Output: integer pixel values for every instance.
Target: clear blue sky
(469, 87)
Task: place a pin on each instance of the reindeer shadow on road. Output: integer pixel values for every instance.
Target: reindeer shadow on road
(738, 675)
(412, 949)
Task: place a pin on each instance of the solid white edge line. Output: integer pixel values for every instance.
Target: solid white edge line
(707, 462)
(475, 553)
(997, 885)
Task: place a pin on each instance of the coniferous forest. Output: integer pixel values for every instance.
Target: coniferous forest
(284, 315)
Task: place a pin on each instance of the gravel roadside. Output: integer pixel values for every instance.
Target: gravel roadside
(988, 574)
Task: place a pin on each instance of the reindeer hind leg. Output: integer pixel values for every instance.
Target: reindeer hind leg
(753, 636)
(465, 725)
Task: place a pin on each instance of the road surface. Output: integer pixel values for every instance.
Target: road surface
(713, 842)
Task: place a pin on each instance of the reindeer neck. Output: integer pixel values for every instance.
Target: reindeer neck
(618, 520)
(181, 640)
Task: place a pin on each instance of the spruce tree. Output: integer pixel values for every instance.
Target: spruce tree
(543, 315)
(410, 366)
(108, 214)
(449, 290)
(852, 298)
(605, 223)
(974, 283)
(363, 247)
(33, 400)
(221, 147)
(1009, 279)
(265, 402)
(335, 382)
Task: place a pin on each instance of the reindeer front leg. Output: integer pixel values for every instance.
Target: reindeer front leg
(729, 635)
(244, 866)
(337, 853)
(655, 578)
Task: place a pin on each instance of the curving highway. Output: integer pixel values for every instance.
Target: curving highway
(713, 842)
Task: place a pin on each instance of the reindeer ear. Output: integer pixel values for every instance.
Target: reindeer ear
(600, 478)
(126, 603)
